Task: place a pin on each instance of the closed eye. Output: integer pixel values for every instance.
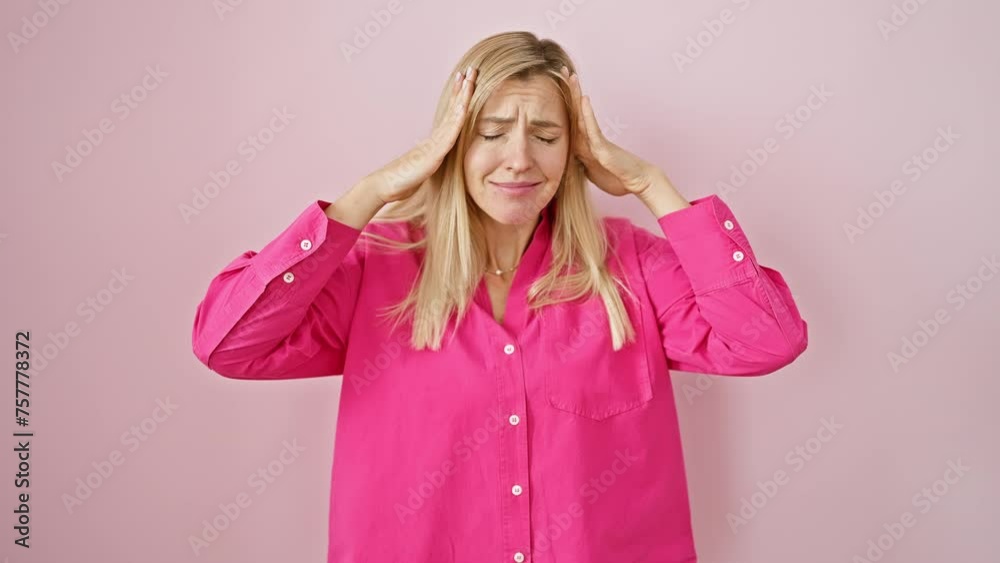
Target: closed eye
(542, 139)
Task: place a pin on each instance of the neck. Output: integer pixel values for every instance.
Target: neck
(505, 244)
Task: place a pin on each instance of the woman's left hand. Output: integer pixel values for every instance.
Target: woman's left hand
(610, 167)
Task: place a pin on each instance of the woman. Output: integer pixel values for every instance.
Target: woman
(506, 353)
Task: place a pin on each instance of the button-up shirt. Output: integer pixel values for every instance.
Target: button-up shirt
(529, 439)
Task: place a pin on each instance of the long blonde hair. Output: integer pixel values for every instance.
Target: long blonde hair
(454, 252)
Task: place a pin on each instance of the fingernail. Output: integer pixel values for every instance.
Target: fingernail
(468, 72)
(458, 76)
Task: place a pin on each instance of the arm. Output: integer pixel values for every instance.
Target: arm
(285, 312)
(718, 310)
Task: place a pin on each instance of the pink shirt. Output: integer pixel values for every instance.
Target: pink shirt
(527, 441)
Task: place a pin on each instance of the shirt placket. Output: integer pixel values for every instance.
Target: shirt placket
(514, 506)
(504, 340)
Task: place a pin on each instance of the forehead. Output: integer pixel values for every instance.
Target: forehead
(537, 96)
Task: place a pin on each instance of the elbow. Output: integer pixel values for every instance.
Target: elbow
(742, 359)
(782, 358)
(799, 344)
(786, 359)
(764, 365)
(205, 355)
(228, 371)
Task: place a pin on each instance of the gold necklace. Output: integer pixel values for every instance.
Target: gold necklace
(499, 272)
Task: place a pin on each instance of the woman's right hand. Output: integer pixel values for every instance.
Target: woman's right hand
(402, 177)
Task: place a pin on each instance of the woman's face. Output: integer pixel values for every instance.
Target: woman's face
(516, 160)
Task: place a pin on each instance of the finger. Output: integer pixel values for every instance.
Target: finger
(581, 113)
(586, 142)
(470, 76)
(564, 71)
(460, 104)
(456, 85)
(463, 92)
(454, 100)
(574, 91)
(456, 88)
(446, 134)
(590, 122)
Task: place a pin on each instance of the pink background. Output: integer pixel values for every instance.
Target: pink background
(61, 242)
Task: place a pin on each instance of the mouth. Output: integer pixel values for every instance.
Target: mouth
(515, 188)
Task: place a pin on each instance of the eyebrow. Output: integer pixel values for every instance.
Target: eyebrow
(536, 123)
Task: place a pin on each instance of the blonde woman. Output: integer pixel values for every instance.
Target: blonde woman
(506, 353)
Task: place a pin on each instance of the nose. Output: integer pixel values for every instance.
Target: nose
(518, 157)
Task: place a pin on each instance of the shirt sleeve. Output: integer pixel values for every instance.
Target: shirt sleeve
(718, 310)
(285, 312)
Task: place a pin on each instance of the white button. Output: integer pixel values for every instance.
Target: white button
(519, 557)
(306, 244)
(728, 225)
(514, 419)
(738, 256)
(516, 489)
(289, 277)
(508, 349)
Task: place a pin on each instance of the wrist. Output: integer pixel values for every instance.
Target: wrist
(660, 195)
(357, 206)
(366, 192)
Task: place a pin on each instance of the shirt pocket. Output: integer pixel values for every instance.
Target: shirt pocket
(583, 374)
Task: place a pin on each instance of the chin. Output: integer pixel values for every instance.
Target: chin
(512, 214)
